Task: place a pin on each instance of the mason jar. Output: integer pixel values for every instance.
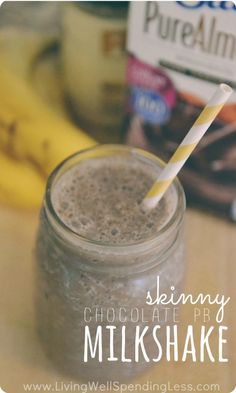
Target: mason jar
(94, 64)
(81, 282)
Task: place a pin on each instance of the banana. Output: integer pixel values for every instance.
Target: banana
(34, 137)
(21, 48)
(31, 129)
(20, 185)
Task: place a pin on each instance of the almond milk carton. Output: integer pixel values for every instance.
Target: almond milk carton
(178, 52)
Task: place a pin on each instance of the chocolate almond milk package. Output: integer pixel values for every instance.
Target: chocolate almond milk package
(178, 52)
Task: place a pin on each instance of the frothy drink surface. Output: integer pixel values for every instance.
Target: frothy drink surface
(99, 198)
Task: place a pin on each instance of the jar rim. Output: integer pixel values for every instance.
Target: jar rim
(106, 9)
(78, 240)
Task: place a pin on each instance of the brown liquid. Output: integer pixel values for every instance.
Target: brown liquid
(100, 199)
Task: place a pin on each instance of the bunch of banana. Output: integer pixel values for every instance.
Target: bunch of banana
(33, 140)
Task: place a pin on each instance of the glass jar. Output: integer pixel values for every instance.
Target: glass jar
(81, 282)
(94, 64)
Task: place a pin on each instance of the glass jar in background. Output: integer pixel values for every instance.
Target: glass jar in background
(74, 273)
(94, 64)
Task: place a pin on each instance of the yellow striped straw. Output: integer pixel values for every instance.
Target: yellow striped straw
(186, 147)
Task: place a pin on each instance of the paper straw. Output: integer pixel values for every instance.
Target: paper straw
(186, 147)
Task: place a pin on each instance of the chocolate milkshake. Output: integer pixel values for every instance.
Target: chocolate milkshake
(98, 250)
(100, 199)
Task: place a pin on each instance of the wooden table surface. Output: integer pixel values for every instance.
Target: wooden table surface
(211, 249)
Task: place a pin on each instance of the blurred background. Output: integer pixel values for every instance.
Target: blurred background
(64, 86)
(70, 61)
